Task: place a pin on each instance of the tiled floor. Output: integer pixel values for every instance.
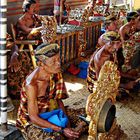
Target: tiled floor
(128, 112)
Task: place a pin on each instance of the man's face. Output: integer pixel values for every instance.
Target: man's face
(116, 44)
(137, 20)
(138, 23)
(112, 26)
(32, 9)
(53, 64)
(134, 20)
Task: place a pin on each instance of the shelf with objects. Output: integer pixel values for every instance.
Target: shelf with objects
(91, 24)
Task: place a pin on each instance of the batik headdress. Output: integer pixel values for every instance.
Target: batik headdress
(110, 18)
(45, 51)
(112, 36)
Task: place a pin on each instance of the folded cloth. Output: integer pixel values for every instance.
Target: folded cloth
(103, 31)
(83, 65)
(83, 74)
(56, 117)
(73, 69)
(74, 22)
(83, 69)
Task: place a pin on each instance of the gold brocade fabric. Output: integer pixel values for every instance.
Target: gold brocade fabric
(91, 78)
(49, 28)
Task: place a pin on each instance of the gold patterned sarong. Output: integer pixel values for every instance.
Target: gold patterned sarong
(128, 52)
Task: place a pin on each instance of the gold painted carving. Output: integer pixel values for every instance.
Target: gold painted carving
(106, 88)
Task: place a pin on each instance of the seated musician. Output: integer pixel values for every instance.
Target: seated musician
(126, 32)
(99, 57)
(107, 52)
(57, 12)
(135, 61)
(29, 22)
(33, 26)
(26, 26)
(110, 26)
(41, 112)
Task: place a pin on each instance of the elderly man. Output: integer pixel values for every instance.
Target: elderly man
(42, 114)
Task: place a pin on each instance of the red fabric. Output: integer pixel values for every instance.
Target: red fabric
(73, 69)
(97, 15)
(74, 22)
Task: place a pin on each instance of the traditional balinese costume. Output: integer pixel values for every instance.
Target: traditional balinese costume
(91, 76)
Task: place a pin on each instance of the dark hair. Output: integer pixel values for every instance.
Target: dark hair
(138, 11)
(108, 21)
(131, 15)
(26, 4)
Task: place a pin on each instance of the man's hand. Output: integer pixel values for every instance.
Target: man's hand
(14, 62)
(70, 133)
(130, 85)
(34, 32)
